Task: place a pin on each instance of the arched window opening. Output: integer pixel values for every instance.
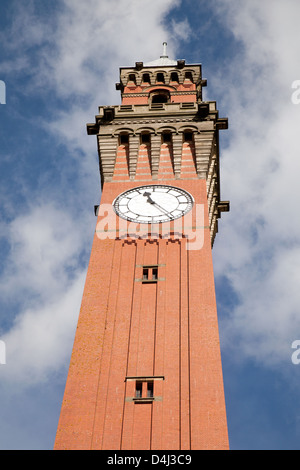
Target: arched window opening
(166, 137)
(189, 76)
(188, 136)
(131, 78)
(123, 139)
(145, 138)
(174, 77)
(160, 77)
(160, 98)
(146, 78)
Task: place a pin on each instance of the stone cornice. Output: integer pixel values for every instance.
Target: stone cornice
(136, 95)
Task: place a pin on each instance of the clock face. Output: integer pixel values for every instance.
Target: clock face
(153, 204)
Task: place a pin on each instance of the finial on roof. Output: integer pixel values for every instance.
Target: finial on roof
(164, 50)
(163, 60)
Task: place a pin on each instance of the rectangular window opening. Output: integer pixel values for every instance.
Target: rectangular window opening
(143, 391)
(150, 273)
(145, 274)
(150, 387)
(138, 389)
(154, 274)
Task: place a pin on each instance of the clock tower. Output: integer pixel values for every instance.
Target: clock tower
(145, 371)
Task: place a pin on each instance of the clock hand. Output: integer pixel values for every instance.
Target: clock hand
(161, 208)
(155, 204)
(149, 198)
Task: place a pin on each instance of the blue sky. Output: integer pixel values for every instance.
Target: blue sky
(60, 60)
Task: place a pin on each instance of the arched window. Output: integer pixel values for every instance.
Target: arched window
(160, 77)
(145, 138)
(188, 136)
(146, 78)
(123, 139)
(131, 78)
(166, 137)
(174, 77)
(160, 98)
(189, 76)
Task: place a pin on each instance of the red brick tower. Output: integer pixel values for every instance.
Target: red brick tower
(145, 371)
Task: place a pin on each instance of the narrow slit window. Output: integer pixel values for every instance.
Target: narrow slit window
(138, 389)
(150, 388)
(145, 274)
(154, 274)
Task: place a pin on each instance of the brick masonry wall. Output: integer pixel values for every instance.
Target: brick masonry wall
(167, 330)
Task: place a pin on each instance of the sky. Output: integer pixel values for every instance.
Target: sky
(59, 61)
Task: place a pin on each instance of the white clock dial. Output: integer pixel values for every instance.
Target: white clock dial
(153, 204)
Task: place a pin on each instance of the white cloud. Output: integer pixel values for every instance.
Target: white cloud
(73, 54)
(38, 344)
(94, 39)
(44, 280)
(44, 244)
(260, 246)
(91, 40)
